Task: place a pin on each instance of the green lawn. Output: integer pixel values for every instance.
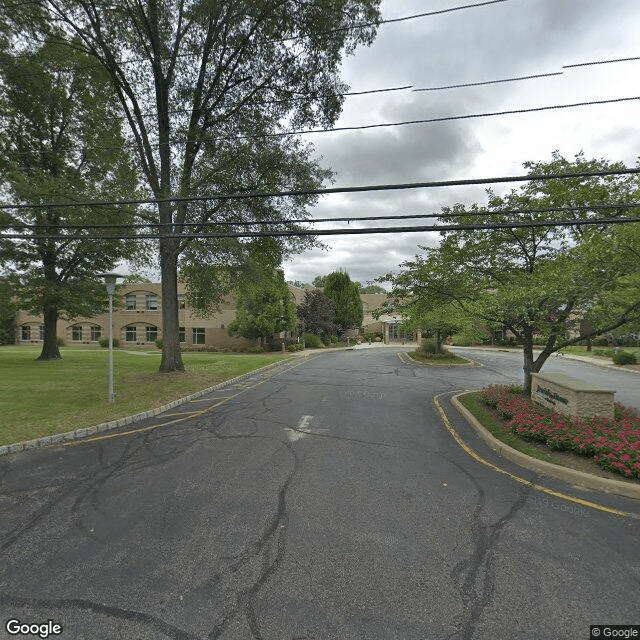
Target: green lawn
(44, 398)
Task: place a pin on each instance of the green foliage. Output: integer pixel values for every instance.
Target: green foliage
(265, 307)
(316, 313)
(231, 79)
(61, 141)
(296, 346)
(159, 343)
(104, 342)
(371, 288)
(538, 281)
(346, 299)
(429, 346)
(8, 312)
(624, 357)
(312, 341)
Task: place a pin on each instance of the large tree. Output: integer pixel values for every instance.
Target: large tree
(206, 86)
(317, 313)
(537, 282)
(265, 307)
(55, 108)
(346, 299)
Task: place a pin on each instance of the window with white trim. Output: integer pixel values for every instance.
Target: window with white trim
(130, 301)
(76, 332)
(152, 334)
(96, 333)
(198, 335)
(130, 334)
(151, 302)
(25, 332)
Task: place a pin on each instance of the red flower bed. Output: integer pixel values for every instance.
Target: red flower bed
(613, 444)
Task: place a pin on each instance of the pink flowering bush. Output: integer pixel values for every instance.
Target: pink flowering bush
(613, 444)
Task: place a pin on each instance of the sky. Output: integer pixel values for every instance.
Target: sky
(497, 41)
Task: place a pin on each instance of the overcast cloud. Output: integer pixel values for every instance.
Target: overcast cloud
(507, 39)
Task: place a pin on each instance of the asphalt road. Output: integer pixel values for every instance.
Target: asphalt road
(323, 500)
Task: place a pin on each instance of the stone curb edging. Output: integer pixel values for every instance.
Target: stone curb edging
(84, 432)
(579, 478)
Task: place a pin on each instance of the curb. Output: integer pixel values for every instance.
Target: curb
(84, 432)
(577, 478)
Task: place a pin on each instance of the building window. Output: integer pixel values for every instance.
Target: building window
(96, 333)
(181, 303)
(152, 334)
(76, 332)
(198, 336)
(151, 302)
(130, 334)
(25, 332)
(182, 334)
(222, 326)
(130, 301)
(41, 333)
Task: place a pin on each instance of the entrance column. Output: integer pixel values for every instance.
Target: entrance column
(386, 333)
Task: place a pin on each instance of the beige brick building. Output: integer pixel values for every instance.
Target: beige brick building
(137, 321)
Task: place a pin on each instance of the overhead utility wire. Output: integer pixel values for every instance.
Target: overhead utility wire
(381, 125)
(478, 84)
(337, 30)
(330, 190)
(588, 64)
(339, 232)
(242, 223)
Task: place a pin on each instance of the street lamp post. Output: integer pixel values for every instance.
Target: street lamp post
(110, 282)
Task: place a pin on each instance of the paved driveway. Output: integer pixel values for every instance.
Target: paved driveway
(321, 500)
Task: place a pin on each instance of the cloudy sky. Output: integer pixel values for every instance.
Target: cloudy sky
(497, 41)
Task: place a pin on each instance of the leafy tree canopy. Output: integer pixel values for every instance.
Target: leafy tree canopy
(346, 299)
(538, 281)
(211, 87)
(317, 313)
(51, 122)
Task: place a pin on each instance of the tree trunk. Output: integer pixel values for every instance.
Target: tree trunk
(528, 367)
(50, 350)
(171, 356)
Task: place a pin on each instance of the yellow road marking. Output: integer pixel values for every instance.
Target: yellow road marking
(520, 479)
(191, 414)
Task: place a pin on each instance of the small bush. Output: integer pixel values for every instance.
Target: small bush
(624, 357)
(429, 346)
(607, 353)
(600, 342)
(296, 346)
(312, 341)
(60, 342)
(159, 343)
(104, 342)
(255, 350)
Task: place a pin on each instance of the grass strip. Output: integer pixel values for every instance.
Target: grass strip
(492, 424)
(44, 398)
(437, 361)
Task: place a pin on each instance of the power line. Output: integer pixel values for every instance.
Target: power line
(588, 64)
(242, 223)
(331, 190)
(381, 125)
(336, 232)
(478, 84)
